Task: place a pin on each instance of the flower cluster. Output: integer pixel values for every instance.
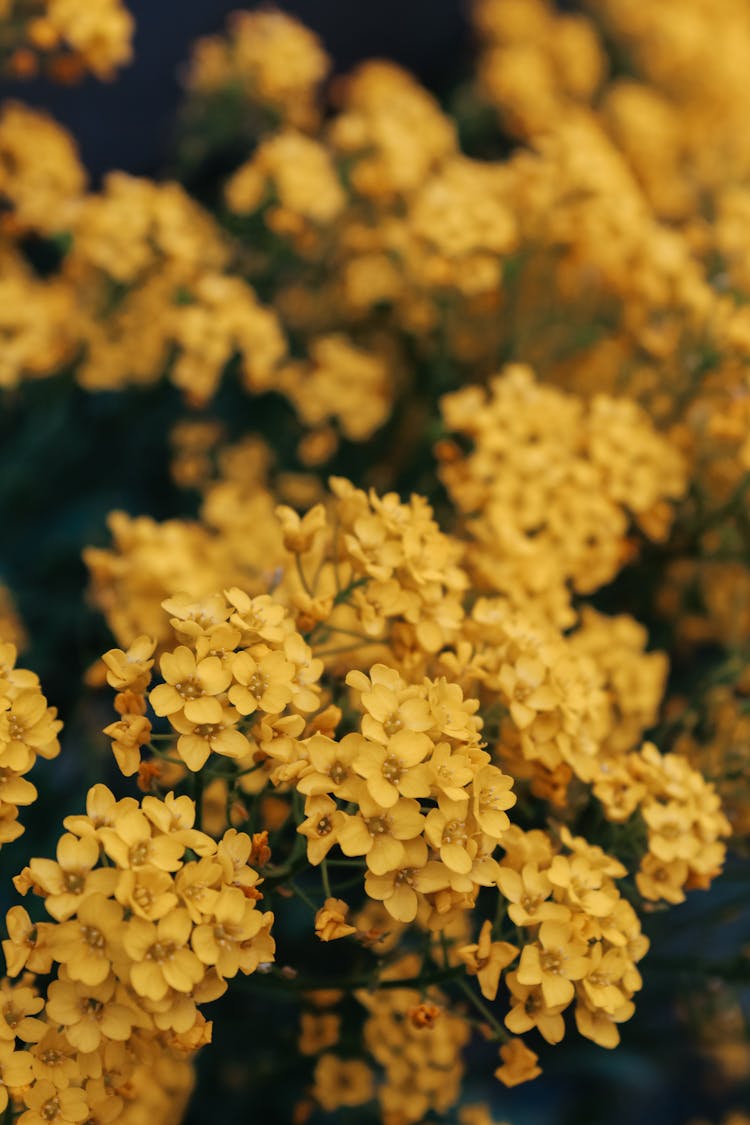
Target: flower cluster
(28, 730)
(67, 39)
(151, 917)
(418, 743)
(584, 939)
(241, 661)
(552, 478)
(518, 336)
(418, 1044)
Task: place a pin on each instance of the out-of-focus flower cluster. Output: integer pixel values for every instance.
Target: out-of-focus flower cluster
(64, 38)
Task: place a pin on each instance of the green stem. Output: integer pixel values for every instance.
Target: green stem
(198, 798)
(481, 1007)
(303, 895)
(310, 984)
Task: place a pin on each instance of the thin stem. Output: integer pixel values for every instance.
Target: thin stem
(371, 982)
(164, 757)
(481, 1007)
(198, 798)
(297, 890)
(326, 880)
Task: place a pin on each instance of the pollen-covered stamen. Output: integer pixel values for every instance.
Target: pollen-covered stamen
(138, 854)
(551, 960)
(532, 1004)
(257, 684)
(92, 937)
(142, 897)
(161, 951)
(392, 770)
(50, 1111)
(378, 825)
(189, 689)
(338, 773)
(455, 832)
(208, 730)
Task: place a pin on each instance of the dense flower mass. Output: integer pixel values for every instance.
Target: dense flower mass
(141, 935)
(432, 682)
(67, 38)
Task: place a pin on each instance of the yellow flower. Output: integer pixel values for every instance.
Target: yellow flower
(263, 681)
(656, 880)
(555, 961)
(50, 1106)
(237, 939)
(322, 827)
(518, 1064)
(71, 880)
(487, 959)
(128, 734)
(190, 686)
(318, 1031)
(19, 1005)
(379, 834)
(330, 920)
(53, 1058)
(89, 944)
(129, 842)
(330, 768)
(528, 892)
(89, 1013)
(15, 1071)
(342, 1082)
(130, 669)
(389, 703)
(101, 808)
(400, 887)
(451, 831)
(160, 955)
(529, 1009)
(601, 1026)
(217, 733)
(147, 891)
(491, 796)
(27, 944)
(396, 769)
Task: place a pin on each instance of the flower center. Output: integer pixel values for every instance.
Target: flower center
(188, 689)
(138, 854)
(51, 1109)
(94, 938)
(378, 825)
(551, 960)
(161, 951)
(392, 770)
(455, 832)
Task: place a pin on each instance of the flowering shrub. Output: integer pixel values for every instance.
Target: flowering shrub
(440, 693)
